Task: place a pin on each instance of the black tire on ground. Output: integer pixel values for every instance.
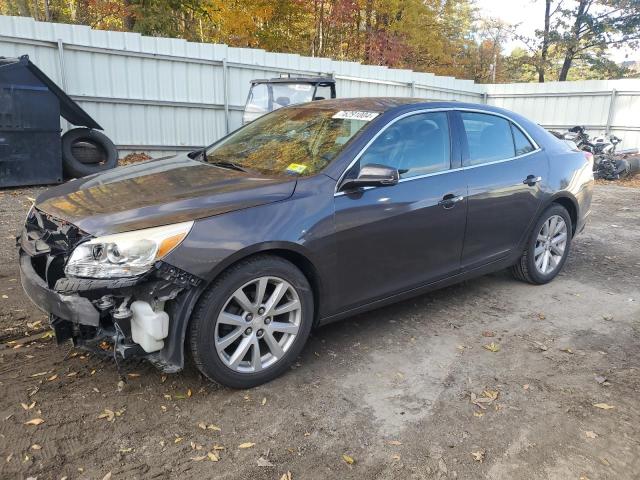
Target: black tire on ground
(634, 164)
(204, 317)
(622, 167)
(525, 268)
(76, 145)
(88, 152)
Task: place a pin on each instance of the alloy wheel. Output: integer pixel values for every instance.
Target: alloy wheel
(258, 324)
(551, 244)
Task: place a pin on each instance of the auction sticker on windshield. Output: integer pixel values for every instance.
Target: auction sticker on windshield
(356, 115)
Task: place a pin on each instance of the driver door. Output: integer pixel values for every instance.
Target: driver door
(390, 239)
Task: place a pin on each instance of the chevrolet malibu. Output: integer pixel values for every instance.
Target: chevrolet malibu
(307, 215)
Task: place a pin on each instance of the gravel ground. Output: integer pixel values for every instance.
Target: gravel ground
(410, 391)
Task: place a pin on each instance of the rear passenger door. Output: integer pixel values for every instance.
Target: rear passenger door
(505, 172)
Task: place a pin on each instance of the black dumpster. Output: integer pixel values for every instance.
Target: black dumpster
(30, 108)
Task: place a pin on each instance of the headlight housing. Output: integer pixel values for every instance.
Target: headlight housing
(124, 255)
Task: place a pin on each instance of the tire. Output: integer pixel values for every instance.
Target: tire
(86, 151)
(525, 268)
(208, 333)
(622, 168)
(634, 164)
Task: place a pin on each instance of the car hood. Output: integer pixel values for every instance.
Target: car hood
(159, 192)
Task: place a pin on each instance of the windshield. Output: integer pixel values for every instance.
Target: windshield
(266, 97)
(292, 141)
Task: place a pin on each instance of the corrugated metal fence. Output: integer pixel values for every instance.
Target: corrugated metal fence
(162, 95)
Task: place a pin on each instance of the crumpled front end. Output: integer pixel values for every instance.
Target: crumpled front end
(132, 315)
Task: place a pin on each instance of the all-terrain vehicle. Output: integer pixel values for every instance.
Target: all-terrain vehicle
(267, 95)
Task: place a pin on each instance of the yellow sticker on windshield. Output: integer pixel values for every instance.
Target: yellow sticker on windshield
(296, 168)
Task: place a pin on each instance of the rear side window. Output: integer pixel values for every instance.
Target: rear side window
(522, 143)
(489, 138)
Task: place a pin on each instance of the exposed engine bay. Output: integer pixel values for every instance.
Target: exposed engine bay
(130, 314)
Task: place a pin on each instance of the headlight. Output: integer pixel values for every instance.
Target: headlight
(125, 254)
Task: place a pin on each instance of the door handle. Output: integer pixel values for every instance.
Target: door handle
(531, 180)
(450, 200)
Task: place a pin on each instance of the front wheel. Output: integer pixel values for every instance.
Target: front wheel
(252, 323)
(547, 248)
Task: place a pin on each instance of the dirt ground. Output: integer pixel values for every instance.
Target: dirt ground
(385, 395)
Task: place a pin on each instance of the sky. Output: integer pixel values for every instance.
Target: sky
(529, 14)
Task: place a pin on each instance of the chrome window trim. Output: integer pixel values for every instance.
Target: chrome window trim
(429, 110)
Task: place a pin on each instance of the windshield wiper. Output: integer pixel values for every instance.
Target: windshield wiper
(229, 165)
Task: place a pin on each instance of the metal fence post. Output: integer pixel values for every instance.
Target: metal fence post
(412, 86)
(63, 75)
(225, 88)
(612, 110)
(485, 97)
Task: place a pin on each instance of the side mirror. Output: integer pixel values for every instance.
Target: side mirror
(372, 175)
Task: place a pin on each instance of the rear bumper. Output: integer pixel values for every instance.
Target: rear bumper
(72, 308)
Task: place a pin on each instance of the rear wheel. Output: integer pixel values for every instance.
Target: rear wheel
(547, 248)
(252, 322)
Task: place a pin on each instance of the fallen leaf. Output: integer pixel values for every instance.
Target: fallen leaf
(591, 434)
(478, 414)
(492, 347)
(603, 406)
(567, 350)
(178, 440)
(125, 450)
(35, 421)
(28, 407)
(541, 316)
(109, 415)
(213, 456)
(286, 476)
(35, 446)
(488, 333)
(349, 460)
(199, 458)
(217, 447)
(395, 457)
(37, 374)
(246, 445)
(263, 462)
(478, 456)
(394, 442)
(525, 386)
(52, 377)
(189, 393)
(264, 401)
(107, 476)
(133, 375)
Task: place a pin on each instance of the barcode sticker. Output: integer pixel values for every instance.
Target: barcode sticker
(356, 115)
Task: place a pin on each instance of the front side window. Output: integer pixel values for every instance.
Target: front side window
(291, 141)
(489, 138)
(415, 145)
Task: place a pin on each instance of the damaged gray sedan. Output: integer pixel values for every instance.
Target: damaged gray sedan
(307, 215)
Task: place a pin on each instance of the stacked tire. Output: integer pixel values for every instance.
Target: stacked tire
(86, 151)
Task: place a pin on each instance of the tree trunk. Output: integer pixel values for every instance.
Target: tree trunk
(545, 42)
(368, 31)
(47, 11)
(129, 18)
(572, 47)
(23, 8)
